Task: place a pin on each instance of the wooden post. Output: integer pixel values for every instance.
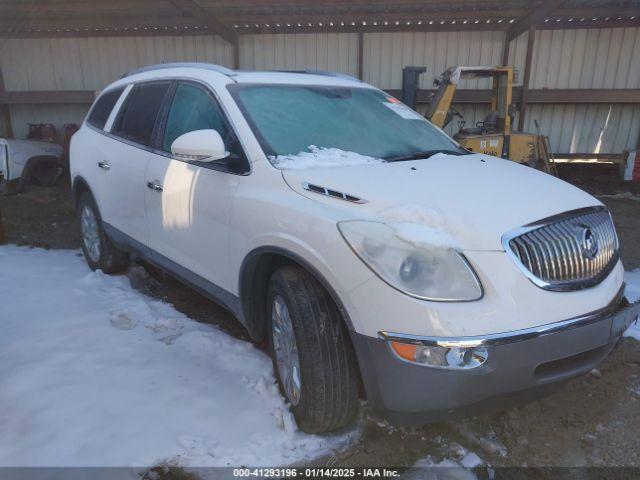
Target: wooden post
(526, 77)
(3, 238)
(360, 54)
(4, 111)
(6, 116)
(236, 54)
(505, 51)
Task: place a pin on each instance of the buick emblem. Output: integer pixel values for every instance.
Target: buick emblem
(589, 243)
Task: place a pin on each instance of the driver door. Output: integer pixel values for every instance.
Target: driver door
(188, 203)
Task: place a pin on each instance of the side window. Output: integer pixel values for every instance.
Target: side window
(137, 116)
(193, 108)
(102, 108)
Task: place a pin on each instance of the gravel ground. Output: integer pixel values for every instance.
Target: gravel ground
(592, 421)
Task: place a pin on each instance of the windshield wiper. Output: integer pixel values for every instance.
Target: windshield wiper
(423, 155)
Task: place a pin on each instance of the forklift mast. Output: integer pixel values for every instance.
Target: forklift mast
(411, 85)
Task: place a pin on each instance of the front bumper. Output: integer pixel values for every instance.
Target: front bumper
(521, 365)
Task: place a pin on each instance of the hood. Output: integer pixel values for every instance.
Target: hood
(478, 197)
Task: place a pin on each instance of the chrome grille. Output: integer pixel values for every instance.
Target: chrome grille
(566, 252)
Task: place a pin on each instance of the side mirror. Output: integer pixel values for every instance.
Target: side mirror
(201, 145)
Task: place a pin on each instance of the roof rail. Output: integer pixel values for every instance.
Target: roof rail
(322, 72)
(160, 66)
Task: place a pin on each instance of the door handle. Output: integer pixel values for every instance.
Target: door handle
(154, 186)
(104, 165)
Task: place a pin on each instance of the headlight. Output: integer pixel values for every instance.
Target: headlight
(426, 272)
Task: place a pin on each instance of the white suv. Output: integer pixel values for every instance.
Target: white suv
(364, 244)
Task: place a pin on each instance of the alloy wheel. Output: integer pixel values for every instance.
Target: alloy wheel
(90, 233)
(286, 350)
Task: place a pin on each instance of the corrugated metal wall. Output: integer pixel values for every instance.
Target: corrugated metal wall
(386, 53)
(335, 52)
(90, 64)
(598, 58)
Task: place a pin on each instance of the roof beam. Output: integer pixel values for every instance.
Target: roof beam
(211, 22)
(188, 27)
(542, 96)
(370, 17)
(538, 96)
(39, 97)
(340, 3)
(537, 15)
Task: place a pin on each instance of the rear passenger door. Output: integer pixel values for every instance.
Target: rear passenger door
(126, 160)
(89, 156)
(188, 209)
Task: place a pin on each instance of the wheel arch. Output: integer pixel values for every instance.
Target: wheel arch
(31, 164)
(78, 187)
(255, 271)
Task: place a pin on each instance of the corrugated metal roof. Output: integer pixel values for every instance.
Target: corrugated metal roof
(113, 17)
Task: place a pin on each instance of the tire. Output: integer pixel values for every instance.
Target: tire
(328, 373)
(105, 256)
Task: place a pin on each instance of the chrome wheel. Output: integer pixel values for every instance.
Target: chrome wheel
(286, 350)
(90, 233)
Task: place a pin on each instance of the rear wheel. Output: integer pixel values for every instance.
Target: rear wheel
(98, 250)
(312, 354)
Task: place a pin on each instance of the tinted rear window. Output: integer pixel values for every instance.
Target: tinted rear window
(103, 106)
(137, 118)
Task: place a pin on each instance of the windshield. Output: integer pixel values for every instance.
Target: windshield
(293, 119)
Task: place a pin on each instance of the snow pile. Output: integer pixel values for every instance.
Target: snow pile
(93, 373)
(419, 226)
(632, 293)
(429, 469)
(459, 468)
(320, 157)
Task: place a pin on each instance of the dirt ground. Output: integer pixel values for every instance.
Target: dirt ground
(593, 421)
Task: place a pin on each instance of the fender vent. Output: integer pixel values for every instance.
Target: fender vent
(332, 193)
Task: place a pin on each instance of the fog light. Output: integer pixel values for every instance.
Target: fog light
(451, 357)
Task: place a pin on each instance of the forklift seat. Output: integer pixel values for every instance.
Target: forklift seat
(488, 125)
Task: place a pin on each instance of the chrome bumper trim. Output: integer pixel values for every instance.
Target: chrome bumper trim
(516, 335)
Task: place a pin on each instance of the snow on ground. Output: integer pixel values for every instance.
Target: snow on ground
(93, 373)
(320, 157)
(632, 293)
(458, 467)
(418, 226)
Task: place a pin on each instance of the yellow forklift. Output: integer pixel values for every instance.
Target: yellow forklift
(492, 136)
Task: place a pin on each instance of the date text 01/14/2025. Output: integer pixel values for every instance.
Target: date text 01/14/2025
(316, 472)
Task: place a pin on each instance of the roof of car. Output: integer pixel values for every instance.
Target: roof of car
(245, 76)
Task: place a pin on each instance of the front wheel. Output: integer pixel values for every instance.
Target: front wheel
(312, 354)
(98, 250)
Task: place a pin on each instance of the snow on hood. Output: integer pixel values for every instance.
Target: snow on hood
(320, 157)
(480, 197)
(419, 226)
